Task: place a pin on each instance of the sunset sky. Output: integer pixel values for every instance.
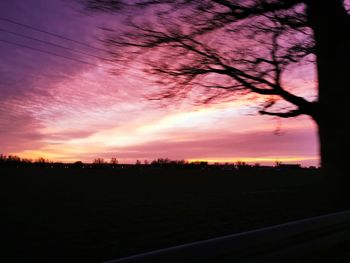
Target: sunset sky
(66, 110)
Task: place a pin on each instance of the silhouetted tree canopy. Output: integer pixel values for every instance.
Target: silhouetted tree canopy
(224, 47)
(216, 49)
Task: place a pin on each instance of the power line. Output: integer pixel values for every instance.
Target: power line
(48, 52)
(58, 36)
(53, 44)
(49, 33)
(65, 57)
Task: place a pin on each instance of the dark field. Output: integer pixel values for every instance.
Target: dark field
(66, 215)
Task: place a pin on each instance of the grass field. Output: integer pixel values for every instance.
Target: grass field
(67, 215)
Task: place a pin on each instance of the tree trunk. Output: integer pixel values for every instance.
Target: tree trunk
(334, 151)
(331, 25)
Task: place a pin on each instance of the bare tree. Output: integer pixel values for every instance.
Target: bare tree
(216, 49)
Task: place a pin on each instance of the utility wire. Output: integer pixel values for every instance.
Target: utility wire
(58, 36)
(53, 44)
(47, 52)
(49, 33)
(65, 57)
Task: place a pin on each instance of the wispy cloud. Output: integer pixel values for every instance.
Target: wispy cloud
(64, 110)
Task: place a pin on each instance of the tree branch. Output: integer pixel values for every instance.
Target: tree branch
(289, 114)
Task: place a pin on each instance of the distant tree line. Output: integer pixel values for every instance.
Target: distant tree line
(13, 161)
(17, 162)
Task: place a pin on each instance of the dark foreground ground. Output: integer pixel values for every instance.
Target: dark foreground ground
(67, 215)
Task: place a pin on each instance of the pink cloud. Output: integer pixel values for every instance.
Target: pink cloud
(70, 111)
(229, 145)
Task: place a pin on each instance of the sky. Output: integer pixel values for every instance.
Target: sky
(75, 109)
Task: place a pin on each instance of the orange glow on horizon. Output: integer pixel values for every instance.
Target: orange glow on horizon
(34, 155)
